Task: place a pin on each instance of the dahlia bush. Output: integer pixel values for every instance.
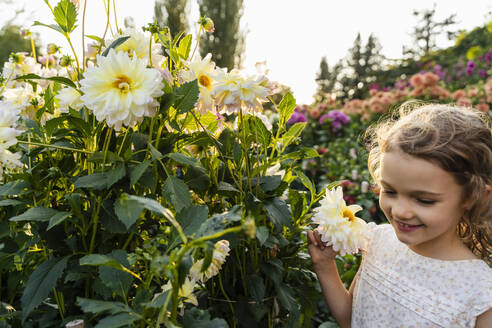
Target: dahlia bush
(141, 185)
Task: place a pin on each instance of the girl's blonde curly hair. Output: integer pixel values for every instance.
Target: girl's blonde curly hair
(459, 140)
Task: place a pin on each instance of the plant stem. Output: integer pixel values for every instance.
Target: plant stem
(67, 36)
(33, 47)
(53, 146)
(83, 35)
(115, 18)
(228, 299)
(197, 41)
(95, 220)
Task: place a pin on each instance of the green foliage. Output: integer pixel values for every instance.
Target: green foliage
(173, 14)
(11, 41)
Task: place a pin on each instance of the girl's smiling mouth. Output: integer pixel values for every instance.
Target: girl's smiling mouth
(407, 227)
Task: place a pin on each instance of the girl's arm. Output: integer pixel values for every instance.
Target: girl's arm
(484, 320)
(336, 296)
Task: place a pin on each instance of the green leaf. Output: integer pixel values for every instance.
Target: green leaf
(59, 79)
(258, 130)
(104, 260)
(137, 172)
(65, 15)
(286, 108)
(10, 202)
(190, 219)
(40, 284)
(278, 212)
(262, 234)
(17, 187)
(306, 182)
(286, 297)
(196, 318)
(292, 134)
(57, 219)
(115, 44)
(185, 46)
(183, 159)
(52, 26)
(95, 38)
(115, 175)
(97, 306)
(96, 181)
(186, 96)
(154, 206)
(301, 153)
(273, 269)
(197, 178)
(128, 210)
(176, 192)
(118, 320)
(79, 125)
(256, 287)
(224, 186)
(36, 214)
(119, 280)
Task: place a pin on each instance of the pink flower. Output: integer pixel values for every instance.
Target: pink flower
(464, 101)
(458, 94)
(483, 107)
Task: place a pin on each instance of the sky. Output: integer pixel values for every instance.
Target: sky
(290, 35)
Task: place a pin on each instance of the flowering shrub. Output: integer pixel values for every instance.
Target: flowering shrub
(129, 196)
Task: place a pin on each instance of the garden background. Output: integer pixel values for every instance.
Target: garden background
(192, 210)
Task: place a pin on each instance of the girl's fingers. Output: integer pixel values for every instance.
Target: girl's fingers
(318, 239)
(312, 238)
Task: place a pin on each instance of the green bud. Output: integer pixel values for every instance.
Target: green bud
(17, 58)
(207, 23)
(249, 227)
(52, 48)
(65, 61)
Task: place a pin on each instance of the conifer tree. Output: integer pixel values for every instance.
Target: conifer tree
(326, 80)
(173, 14)
(226, 43)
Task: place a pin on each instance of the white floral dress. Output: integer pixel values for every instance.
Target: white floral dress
(397, 287)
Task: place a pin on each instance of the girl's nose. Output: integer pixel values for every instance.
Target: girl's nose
(402, 210)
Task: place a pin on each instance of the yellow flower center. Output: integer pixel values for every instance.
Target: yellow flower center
(205, 81)
(348, 214)
(122, 82)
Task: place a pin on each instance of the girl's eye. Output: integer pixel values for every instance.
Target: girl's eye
(389, 192)
(426, 201)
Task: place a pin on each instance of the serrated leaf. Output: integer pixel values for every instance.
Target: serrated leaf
(96, 181)
(224, 186)
(40, 284)
(278, 212)
(293, 133)
(115, 44)
(197, 178)
(185, 46)
(59, 79)
(305, 181)
(95, 38)
(115, 175)
(97, 306)
(190, 219)
(256, 287)
(17, 187)
(154, 206)
(262, 234)
(65, 14)
(301, 153)
(286, 297)
(128, 210)
(182, 159)
(259, 131)
(118, 320)
(137, 172)
(51, 26)
(57, 219)
(186, 96)
(176, 192)
(35, 214)
(286, 108)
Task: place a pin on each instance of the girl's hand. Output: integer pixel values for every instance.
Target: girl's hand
(320, 253)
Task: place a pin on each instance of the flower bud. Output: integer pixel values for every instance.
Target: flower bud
(355, 174)
(249, 227)
(25, 33)
(353, 153)
(207, 23)
(17, 58)
(52, 48)
(65, 61)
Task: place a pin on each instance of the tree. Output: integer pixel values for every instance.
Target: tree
(173, 14)
(359, 68)
(226, 43)
(426, 30)
(326, 80)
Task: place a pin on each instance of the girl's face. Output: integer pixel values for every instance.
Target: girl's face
(422, 202)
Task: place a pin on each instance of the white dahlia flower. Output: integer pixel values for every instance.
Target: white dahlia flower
(338, 225)
(204, 71)
(8, 135)
(121, 90)
(185, 292)
(138, 44)
(221, 251)
(233, 92)
(19, 64)
(68, 97)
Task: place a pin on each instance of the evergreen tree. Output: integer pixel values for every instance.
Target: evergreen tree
(326, 80)
(426, 30)
(226, 43)
(173, 14)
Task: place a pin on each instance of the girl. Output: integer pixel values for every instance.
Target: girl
(430, 266)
